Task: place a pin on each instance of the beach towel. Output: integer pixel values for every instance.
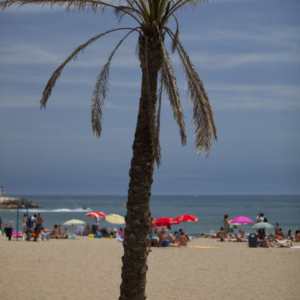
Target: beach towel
(204, 247)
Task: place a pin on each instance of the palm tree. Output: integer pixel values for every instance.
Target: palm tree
(151, 17)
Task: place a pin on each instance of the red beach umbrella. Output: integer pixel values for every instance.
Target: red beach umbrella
(187, 218)
(94, 214)
(165, 221)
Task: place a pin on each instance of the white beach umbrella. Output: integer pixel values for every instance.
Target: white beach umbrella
(73, 222)
(115, 219)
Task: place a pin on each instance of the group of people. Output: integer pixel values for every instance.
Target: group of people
(163, 235)
(102, 231)
(225, 234)
(33, 226)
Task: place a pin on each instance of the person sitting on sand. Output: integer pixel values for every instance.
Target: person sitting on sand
(239, 238)
(182, 239)
(297, 236)
(203, 235)
(280, 232)
(66, 233)
(54, 233)
(289, 235)
(281, 243)
(220, 232)
(87, 229)
(263, 242)
(242, 234)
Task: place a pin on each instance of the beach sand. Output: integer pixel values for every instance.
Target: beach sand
(86, 268)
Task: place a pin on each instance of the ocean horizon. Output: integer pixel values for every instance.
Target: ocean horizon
(210, 209)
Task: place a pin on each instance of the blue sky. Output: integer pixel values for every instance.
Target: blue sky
(247, 54)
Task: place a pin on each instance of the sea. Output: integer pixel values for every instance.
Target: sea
(209, 209)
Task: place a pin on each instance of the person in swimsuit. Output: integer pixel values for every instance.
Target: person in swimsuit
(182, 239)
(24, 225)
(54, 232)
(226, 224)
(152, 225)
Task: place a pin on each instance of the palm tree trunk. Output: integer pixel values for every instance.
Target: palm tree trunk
(142, 165)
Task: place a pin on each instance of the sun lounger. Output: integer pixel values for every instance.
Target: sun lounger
(44, 235)
(14, 235)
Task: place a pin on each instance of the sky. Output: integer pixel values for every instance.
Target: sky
(247, 53)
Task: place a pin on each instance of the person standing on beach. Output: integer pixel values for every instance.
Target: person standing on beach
(1, 222)
(24, 223)
(40, 220)
(259, 218)
(33, 220)
(96, 221)
(276, 228)
(152, 225)
(226, 224)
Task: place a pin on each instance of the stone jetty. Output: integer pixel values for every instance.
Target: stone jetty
(12, 203)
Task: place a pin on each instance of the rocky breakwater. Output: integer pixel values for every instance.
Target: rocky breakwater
(12, 203)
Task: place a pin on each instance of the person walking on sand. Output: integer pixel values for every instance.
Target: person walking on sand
(226, 224)
(152, 225)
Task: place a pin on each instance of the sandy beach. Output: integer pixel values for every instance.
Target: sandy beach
(86, 268)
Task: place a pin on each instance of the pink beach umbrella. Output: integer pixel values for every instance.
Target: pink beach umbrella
(95, 214)
(241, 220)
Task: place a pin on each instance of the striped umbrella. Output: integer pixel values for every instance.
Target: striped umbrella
(94, 214)
(262, 225)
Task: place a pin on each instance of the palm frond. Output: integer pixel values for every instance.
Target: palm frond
(179, 5)
(122, 11)
(171, 87)
(52, 81)
(100, 91)
(176, 36)
(75, 5)
(205, 129)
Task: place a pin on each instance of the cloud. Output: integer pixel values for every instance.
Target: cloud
(222, 61)
(23, 54)
(287, 36)
(266, 97)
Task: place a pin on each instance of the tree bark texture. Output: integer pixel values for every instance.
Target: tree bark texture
(137, 219)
